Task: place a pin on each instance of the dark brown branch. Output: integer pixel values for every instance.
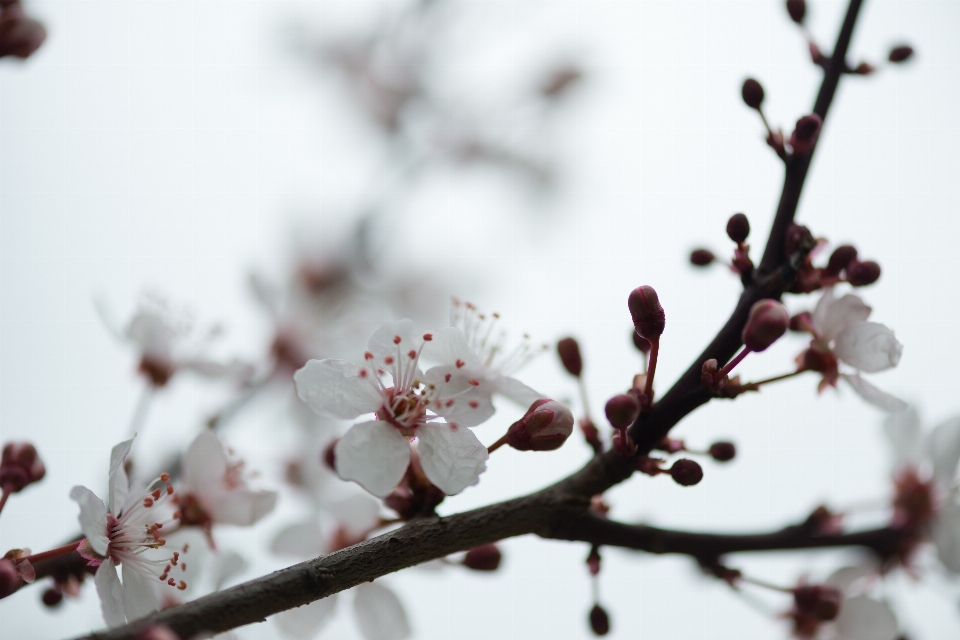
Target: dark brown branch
(549, 513)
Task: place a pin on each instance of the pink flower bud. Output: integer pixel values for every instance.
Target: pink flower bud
(686, 472)
(768, 321)
(641, 343)
(723, 451)
(819, 602)
(486, 557)
(864, 69)
(569, 351)
(9, 578)
(841, 257)
(19, 466)
(622, 410)
(52, 597)
(158, 632)
(545, 427)
(860, 274)
(752, 93)
(648, 317)
(593, 561)
(702, 257)
(19, 36)
(738, 228)
(805, 134)
(900, 54)
(599, 621)
(797, 10)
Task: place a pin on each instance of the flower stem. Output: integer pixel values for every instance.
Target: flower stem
(496, 445)
(140, 412)
(730, 365)
(652, 368)
(583, 397)
(70, 547)
(4, 494)
(776, 378)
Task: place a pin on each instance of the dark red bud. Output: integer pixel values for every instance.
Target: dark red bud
(900, 54)
(797, 10)
(599, 621)
(723, 451)
(648, 317)
(545, 427)
(864, 69)
(820, 602)
(486, 557)
(52, 597)
(329, 456)
(622, 410)
(20, 36)
(797, 236)
(569, 351)
(738, 227)
(20, 465)
(593, 561)
(641, 343)
(686, 472)
(860, 274)
(767, 322)
(9, 578)
(840, 258)
(701, 257)
(158, 632)
(752, 93)
(802, 322)
(805, 134)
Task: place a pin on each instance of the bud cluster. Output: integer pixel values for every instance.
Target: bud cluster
(844, 265)
(20, 466)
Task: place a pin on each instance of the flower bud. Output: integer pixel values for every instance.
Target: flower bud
(686, 472)
(20, 36)
(701, 257)
(802, 322)
(52, 597)
(797, 10)
(19, 466)
(545, 427)
(860, 274)
(486, 557)
(738, 227)
(768, 321)
(864, 69)
(599, 620)
(329, 455)
(648, 317)
(797, 237)
(593, 561)
(752, 93)
(805, 134)
(819, 602)
(723, 451)
(641, 343)
(841, 257)
(622, 410)
(900, 54)
(158, 632)
(9, 578)
(569, 351)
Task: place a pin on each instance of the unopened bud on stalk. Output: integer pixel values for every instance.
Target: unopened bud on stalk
(864, 69)
(648, 317)
(820, 602)
(599, 620)
(738, 228)
(545, 427)
(20, 465)
(900, 54)
(9, 578)
(752, 93)
(802, 322)
(841, 257)
(569, 351)
(797, 10)
(52, 597)
(486, 557)
(686, 472)
(723, 451)
(860, 274)
(702, 257)
(622, 410)
(641, 343)
(805, 134)
(767, 322)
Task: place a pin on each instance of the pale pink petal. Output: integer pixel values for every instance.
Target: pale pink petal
(382, 343)
(306, 621)
(905, 436)
(833, 316)
(358, 514)
(869, 347)
(452, 457)
(335, 388)
(140, 596)
(118, 476)
(374, 455)
(944, 445)
(862, 618)
(151, 333)
(876, 397)
(204, 463)
(449, 345)
(946, 535)
(845, 577)
(301, 540)
(471, 405)
(234, 369)
(242, 507)
(93, 518)
(378, 613)
(515, 390)
(111, 594)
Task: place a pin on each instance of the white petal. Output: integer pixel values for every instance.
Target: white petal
(905, 436)
(379, 614)
(944, 445)
(868, 346)
(516, 391)
(204, 464)
(374, 455)
(335, 388)
(449, 345)
(228, 564)
(242, 507)
(93, 518)
(382, 342)
(111, 594)
(844, 578)
(118, 476)
(833, 316)
(302, 540)
(151, 332)
(876, 397)
(472, 404)
(946, 535)
(140, 596)
(862, 618)
(452, 457)
(234, 369)
(306, 621)
(358, 514)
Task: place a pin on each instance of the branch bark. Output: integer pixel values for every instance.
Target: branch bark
(560, 511)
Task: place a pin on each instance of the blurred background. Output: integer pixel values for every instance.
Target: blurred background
(540, 159)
